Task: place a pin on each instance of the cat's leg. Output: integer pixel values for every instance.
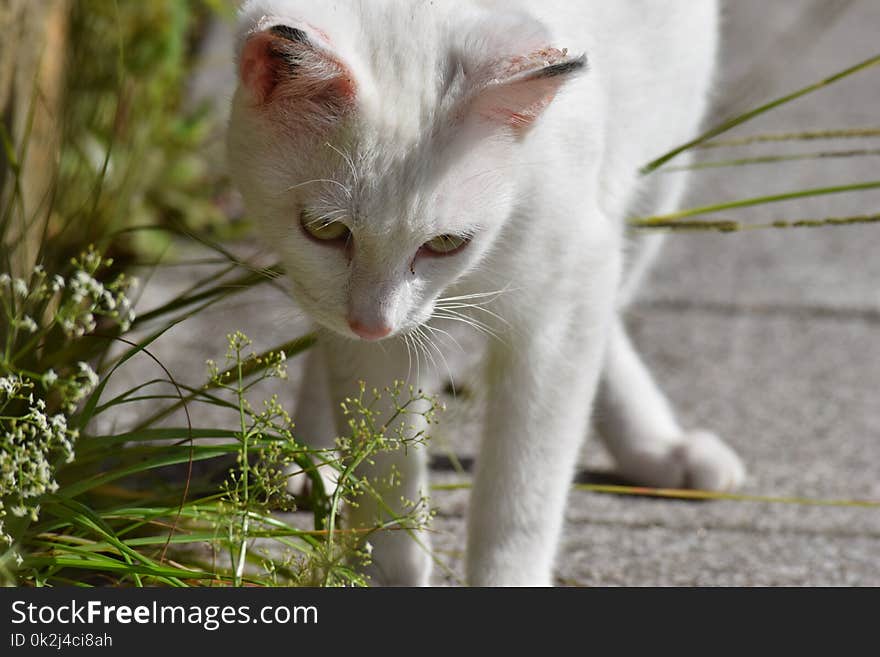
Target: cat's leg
(644, 250)
(315, 423)
(541, 378)
(400, 558)
(632, 416)
(640, 430)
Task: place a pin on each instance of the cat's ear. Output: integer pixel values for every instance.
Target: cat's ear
(522, 87)
(517, 72)
(293, 69)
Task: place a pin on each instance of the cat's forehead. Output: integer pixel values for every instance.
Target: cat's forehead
(400, 191)
(411, 68)
(381, 183)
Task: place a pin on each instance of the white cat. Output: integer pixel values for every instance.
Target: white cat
(402, 155)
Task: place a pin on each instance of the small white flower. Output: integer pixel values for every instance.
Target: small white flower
(20, 287)
(57, 283)
(9, 385)
(86, 371)
(109, 301)
(39, 419)
(128, 319)
(49, 378)
(28, 324)
(4, 279)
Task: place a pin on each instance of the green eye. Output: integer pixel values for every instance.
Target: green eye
(447, 244)
(325, 231)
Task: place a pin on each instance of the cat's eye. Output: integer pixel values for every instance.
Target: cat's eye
(323, 231)
(446, 244)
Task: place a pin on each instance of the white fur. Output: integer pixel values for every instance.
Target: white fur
(546, 208)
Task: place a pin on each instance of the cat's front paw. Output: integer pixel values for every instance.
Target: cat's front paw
(699, 460)
(708, 463)
(398, 560)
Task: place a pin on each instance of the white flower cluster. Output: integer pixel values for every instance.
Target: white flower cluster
(29, 444)
(33, 439)
(88, 298)
(81, 298)
(73, 388)
(17, 286)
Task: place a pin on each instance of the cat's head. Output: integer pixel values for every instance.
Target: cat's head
(378, 147)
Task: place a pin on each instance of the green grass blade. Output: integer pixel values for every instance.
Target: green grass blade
(773, 159)
(729, 226)
(811, 135)
(115, 567)
(763, 109)
(751, 202)
(218, 291)
(684, 494)
(166, 458)
(88, 411)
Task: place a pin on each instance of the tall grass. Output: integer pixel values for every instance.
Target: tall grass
(685, 219)
(130, 507)
(90, 508)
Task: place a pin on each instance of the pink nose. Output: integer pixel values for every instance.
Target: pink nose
(369, 332)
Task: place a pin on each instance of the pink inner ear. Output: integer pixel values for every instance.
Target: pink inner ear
(258, 71)
(275, 69)
(517, 105)
(522, 88)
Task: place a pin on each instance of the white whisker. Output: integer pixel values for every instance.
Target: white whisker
(328, 181)
(449, 335)
(408, 357)
(435, 331)
(438, 351)
(465, 306)
(475, 324)
(348, 160)
(420, 339)
(415, 345)
(455, 313)
(479, 295)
